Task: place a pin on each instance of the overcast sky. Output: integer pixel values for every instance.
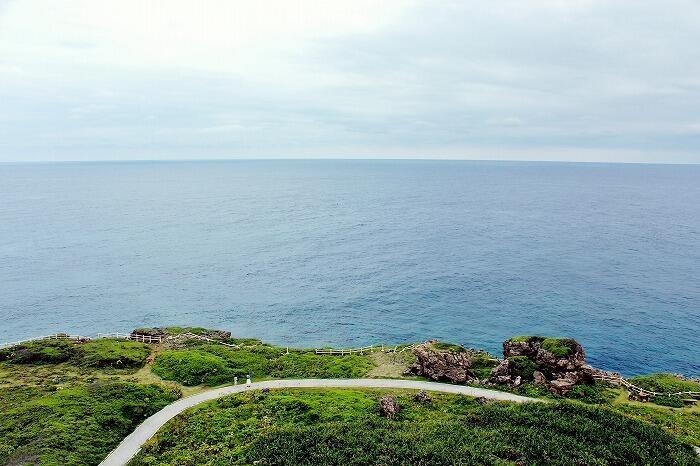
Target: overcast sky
(494, 79)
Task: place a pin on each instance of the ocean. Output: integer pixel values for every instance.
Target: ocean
(345, 253)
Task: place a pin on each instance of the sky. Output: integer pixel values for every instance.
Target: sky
(571, 80)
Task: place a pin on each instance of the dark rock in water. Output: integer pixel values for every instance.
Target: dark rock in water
(422, 396)
(442, 365)
(388, 406)
(560, 360)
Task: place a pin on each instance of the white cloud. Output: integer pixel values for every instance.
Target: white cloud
(134, 79)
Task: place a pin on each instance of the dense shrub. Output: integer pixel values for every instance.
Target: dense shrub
(327, 427)
(112, 353)
(192, 367)
(666, 400)
(523, 366)
(560, 347)
(482, 364)
(213, 364)
(73, 426)
(599, 392)
(103, 352)
(47, 352)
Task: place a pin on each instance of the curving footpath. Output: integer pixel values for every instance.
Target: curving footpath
(131, 445)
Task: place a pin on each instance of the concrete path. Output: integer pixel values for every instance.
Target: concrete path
(131, 445)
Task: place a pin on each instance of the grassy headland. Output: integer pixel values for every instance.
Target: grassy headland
(63, 402)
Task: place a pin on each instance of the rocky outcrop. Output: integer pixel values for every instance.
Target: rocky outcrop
(557, 363)
(388, 406)
(442, 365)
(422, 397)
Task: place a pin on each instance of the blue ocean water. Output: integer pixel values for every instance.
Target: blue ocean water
(357, 252)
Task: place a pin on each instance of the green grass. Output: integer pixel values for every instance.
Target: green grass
(72, 426)
(683, 423)
(523, 338)
(444, 346)
(216, 364)
(560, 347)
(325, 427)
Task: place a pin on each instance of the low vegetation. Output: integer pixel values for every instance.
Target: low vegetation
(75, 425)
(213, 364)
(327, 427)
(523, 366)
(560, 347)
(682, 423)
(103, 352)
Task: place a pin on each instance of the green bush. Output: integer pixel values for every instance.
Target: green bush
(524, 338)
(192, 367)
(596, 393)
(444, 346)
(106, 352)
(560, 347)
(103, 352)
(73, 426)
(666, 400)
(219, 364)
(523, 366)
(482, 363)
(41, 352)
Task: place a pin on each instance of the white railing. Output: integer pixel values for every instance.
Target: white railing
(365, 349)
(633, 388)
(132, 336)
(55, 336)
(211, 340)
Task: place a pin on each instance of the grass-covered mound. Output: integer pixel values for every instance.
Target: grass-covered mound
(665, 383)
(72, 426)
(560, 347)
(213, 364)
(104, 352)
(294, 427)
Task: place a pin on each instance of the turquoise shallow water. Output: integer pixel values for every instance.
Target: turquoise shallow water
(354, 252)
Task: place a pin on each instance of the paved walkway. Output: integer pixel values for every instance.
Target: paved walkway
(131, 445)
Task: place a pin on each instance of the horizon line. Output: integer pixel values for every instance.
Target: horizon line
(341, 159)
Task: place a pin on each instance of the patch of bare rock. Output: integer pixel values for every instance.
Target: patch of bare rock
(388, 406)
(555, 363)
